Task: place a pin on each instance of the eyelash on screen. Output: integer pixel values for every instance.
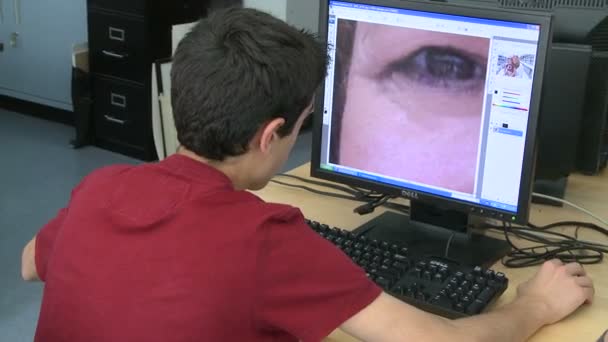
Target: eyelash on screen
(439, 67)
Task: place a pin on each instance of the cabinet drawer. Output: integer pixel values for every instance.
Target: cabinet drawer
(118, 46)
(121, 112)
(129, 6)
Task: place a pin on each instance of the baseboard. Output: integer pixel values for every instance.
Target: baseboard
(37, 110)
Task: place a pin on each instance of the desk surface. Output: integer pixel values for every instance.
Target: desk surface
(587, 324)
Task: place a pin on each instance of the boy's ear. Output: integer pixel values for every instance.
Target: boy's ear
(269, 134)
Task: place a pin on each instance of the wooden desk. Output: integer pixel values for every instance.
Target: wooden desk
(587, 324)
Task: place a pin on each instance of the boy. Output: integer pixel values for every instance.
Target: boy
(178, 251)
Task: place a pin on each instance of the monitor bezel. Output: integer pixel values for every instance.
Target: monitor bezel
(544, 20)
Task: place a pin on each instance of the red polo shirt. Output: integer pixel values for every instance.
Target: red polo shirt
(171, 252)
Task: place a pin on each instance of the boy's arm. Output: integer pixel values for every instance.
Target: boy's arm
(28, 262)
(36, 253)
(552, 294)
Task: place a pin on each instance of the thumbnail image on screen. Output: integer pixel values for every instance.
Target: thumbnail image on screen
(516, 66)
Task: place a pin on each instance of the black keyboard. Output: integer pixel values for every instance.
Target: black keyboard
(432, 284)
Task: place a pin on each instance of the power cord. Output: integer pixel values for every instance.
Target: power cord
(560, 200)
(550, 245)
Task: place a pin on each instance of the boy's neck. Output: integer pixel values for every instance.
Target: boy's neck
(232, 167)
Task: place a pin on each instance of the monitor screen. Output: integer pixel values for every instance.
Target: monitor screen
(430, 102)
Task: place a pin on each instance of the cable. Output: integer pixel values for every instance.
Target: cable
(314, 191)
(348, 189)
(550, 245)
(599, 219)
(369, 207)
(372, 201)
(448, 245)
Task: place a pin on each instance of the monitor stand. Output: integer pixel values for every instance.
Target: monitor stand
(427, 232)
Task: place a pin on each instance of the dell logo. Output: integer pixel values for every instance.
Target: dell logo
(409, 194)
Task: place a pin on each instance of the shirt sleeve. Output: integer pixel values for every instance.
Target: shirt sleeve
(45, 239)
(307, 287)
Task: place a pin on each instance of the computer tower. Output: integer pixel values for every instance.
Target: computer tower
(562, 108)
(593, 143)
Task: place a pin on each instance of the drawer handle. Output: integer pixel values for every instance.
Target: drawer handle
(116, 34)
(112, 54)
(118, 100)
(114, 120)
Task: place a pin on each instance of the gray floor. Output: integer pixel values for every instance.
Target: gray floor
(37, 172)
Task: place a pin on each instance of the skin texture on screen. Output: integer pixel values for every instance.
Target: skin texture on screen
(413, 105)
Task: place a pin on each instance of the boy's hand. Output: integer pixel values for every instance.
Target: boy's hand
(560, 288)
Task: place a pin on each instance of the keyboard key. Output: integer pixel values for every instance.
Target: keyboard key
(500, 277)
(383, 282)
(486, 295)
(443, 301)
(475, 307)
(399, 257)
(399, 265)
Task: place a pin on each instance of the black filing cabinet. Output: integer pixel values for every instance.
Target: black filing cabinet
(125, 38)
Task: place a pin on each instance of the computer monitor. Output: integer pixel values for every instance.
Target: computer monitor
(436, 103)
(570, 127)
